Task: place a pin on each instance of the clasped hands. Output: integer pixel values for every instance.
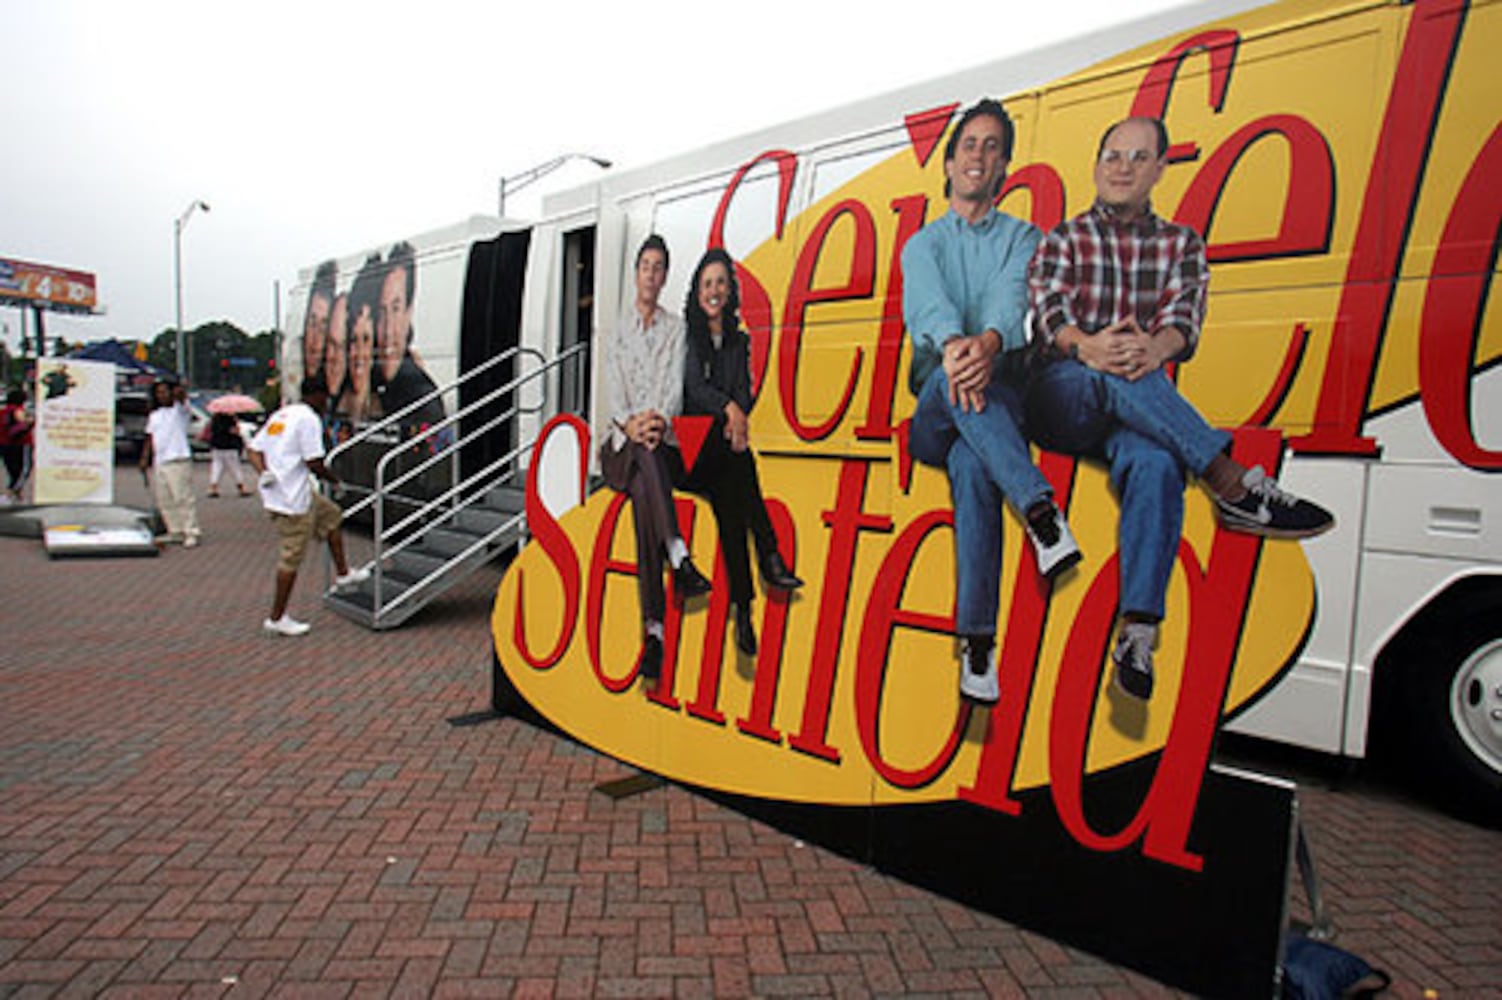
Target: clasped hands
(967, 368)
(1126, 350)
(646, 428)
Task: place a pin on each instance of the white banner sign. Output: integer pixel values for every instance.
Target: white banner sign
(75, 431)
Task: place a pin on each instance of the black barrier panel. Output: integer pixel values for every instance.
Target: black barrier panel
(1216, 932)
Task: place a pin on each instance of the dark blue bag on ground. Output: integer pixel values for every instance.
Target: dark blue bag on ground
(1315, 970)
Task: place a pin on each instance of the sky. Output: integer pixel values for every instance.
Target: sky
(316, 129)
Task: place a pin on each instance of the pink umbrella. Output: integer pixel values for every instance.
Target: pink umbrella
(234, 403)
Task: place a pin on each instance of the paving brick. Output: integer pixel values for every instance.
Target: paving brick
(194, 800)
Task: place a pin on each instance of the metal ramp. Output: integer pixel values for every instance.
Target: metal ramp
(433, 525)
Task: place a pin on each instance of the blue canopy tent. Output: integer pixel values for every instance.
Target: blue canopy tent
(120, 356)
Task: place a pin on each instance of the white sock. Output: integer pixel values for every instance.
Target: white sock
(653, 628)
(677, 552)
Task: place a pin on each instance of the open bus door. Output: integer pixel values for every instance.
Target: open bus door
(576, 322)
(491, 325)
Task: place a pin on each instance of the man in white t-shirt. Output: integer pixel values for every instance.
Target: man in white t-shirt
(288, 452)
(170, 456)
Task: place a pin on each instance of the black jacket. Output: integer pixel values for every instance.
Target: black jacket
(713, 377)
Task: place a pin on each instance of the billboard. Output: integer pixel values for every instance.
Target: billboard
(23, 283)
(75, 431)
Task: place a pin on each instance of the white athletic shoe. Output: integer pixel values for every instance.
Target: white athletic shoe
(353, 578)
(978, 681)
(1053, 543)
(285, 625)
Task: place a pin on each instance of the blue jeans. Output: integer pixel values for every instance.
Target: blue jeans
(1150, 436)
(987, 460)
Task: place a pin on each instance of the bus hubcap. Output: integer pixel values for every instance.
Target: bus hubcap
(1476, 703)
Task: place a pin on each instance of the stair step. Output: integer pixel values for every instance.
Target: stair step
(450, 540)
(414, 563)
(505, 498)
(482, 521)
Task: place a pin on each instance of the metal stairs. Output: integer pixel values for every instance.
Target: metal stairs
(431, 526)
(411, 576)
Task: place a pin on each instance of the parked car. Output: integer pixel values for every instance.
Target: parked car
(198, 429)
(131, 408)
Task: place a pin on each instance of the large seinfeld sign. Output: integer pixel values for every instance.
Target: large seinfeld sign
(1352, 234)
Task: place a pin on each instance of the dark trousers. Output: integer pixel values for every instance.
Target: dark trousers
(728, 480)
(15, 463)
(646, 476)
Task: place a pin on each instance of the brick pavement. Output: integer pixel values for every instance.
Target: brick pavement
(188, 808)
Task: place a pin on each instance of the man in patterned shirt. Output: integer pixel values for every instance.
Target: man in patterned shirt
(1117, 293)
(643, 392)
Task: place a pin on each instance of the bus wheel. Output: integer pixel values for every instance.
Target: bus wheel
(1460, 726)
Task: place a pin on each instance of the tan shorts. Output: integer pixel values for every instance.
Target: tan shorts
(295, 530)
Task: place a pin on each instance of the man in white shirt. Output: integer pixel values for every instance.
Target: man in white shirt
(639, 456)
(287, 453)
(170, 456)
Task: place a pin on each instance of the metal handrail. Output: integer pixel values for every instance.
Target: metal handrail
(392, 419)
(445, 501)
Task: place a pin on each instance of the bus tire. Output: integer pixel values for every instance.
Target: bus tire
(1456, 694)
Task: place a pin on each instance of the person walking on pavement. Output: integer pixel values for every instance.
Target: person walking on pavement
(225, 445)
(170, 457)
(287, 453)
(15, 441)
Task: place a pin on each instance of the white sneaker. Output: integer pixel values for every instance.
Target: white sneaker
(1052, 543)
(1133, 657)
(353, 578)
(285, 625)
(978, 681)
(190, 542)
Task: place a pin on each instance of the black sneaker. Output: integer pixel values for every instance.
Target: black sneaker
(1053, 544)
(688, 581)
(651, 659)
(978, 681)
(1133, 657)
(1272, 512)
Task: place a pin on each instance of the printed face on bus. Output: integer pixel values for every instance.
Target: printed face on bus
(651, 274)
(979, 166)
(335, 359)
(315, 331)
(362, 334)
(395, 322)
(1128, 166)
(714, 291)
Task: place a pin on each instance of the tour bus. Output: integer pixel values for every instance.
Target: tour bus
(1342, 159)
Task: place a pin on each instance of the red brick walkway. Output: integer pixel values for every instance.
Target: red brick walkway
(188, 808)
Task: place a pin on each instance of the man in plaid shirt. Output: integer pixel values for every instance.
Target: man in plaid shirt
(1117, 293)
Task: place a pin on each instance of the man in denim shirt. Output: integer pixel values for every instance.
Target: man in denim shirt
(964, 299)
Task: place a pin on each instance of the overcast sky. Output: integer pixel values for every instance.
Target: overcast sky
(317, 129)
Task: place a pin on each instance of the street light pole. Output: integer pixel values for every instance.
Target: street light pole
(518, 181)
(178, 225)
